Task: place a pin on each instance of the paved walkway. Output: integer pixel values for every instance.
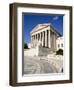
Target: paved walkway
(40, 65)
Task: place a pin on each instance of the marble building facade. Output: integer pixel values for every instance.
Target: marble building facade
(44, 35)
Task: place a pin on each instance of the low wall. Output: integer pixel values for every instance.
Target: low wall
(31, 52)
(37, 51)
(43, 51)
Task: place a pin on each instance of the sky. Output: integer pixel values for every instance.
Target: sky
(31, 20)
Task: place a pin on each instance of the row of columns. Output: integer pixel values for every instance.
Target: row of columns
(44, 37)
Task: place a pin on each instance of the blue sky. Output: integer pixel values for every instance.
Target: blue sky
(31, 20)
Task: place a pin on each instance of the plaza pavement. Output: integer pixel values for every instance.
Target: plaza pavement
(43, 64)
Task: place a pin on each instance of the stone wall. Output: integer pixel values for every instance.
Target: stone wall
(44, 51)
(31, 52)
(37, 51)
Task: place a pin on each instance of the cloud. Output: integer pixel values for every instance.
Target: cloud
(55, 18)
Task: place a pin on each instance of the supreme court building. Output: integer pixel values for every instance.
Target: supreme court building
(44, 35)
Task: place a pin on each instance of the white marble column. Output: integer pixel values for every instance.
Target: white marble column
(46, 38)
(42, 38)
(54, 40)
(37, 38)
(34, 40)
(49, 39)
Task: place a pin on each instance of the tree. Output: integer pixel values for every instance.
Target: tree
(59, 52)
(25, 46)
